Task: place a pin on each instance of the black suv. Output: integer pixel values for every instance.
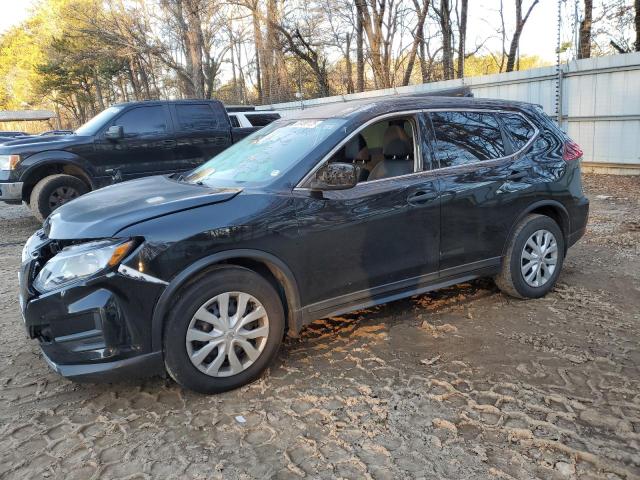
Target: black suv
(336, 209)
(125, 141)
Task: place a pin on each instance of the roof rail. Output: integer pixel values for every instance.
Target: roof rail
(446, 92)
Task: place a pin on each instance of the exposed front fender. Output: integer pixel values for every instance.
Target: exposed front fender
(288, 280)
(55, 157)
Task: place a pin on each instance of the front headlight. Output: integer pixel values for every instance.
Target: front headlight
(9, 162)
(80, 261)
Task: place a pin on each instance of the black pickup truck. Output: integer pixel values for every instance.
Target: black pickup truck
(125, 141)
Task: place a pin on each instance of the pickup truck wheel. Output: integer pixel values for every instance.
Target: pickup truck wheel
(54, 191)
(223, 331)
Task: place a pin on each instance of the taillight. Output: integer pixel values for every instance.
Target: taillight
(572, 151)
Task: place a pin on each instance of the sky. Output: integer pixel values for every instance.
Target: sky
(13, 12)
(539, 36)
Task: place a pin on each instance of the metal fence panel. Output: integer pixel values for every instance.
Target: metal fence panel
(600, 103)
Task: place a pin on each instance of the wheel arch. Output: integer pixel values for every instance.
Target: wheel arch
(52, 164)
(265, 264)
(550, 208)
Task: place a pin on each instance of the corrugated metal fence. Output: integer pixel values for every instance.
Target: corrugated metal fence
(599, 104)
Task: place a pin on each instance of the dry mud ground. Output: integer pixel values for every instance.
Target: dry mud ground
(461, 383)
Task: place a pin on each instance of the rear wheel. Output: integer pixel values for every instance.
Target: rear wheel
(54, 191)
(534, 258)
(223, 331)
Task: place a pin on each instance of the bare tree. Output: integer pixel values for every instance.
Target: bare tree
(637, 22)
(584, 42)
(462, 37)
(421, 12)
(359, 50)
(515, 40)
(379, 22)
(444, 15)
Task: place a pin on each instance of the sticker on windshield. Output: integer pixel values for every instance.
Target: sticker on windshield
(307, 123)
(275, 173)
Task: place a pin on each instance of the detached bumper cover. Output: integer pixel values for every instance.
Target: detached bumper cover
(11, 191)
(141, 366)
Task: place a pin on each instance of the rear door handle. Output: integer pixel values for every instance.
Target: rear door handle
(517, 174)
(422, 196)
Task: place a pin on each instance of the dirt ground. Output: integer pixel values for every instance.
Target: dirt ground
(460, 383)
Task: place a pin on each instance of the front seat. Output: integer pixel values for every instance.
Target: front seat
(397, 150)
(356, 152)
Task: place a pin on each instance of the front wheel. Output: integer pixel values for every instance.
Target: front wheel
(534, 258)
(54, 191)
(224, 330)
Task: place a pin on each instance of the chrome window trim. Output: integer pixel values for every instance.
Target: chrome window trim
(417, 151)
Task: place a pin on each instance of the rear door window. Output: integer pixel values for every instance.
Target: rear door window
(143, 121)
(195, 118)
(466, 137)
(262, 119)
(234, 121)
(519, 129)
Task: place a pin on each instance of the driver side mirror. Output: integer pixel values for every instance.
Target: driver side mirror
(115, 132)
(335, 176)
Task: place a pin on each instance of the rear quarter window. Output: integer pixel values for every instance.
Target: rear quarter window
(466, 137)
(518, 128)
(197, 117)
(234, 120)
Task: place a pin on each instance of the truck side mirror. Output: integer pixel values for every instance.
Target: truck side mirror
(115, 132)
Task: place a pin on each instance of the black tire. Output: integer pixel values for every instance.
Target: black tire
(511, 279)
(41, 195)
(219, 280)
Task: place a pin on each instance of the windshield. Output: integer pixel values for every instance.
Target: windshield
(266, 154)
(96, 123)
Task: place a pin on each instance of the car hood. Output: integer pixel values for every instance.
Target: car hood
(30, 145)
(103, 213)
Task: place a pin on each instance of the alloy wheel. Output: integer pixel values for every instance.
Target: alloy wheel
(539, 258)
(61, 195)
(227, 334)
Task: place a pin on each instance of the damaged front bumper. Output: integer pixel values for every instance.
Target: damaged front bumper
(92, 330)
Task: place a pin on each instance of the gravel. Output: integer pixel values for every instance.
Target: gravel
(463, 382)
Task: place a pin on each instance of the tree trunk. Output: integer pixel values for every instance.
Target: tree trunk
(515, 41)
(257, 39)
(194, 44)
(234, 77)
(144, 78)
(584, 43)
(417, 39)
(463, 37)
(133, 80)
(424, 69)
(637, 25)
(96, 81)
(348, 64)
(360, 52)
(444, 15)
(373, 25)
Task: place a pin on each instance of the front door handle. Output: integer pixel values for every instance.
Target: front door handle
(422, 196)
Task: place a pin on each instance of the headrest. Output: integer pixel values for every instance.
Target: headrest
(356, 149)
(396, 142)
